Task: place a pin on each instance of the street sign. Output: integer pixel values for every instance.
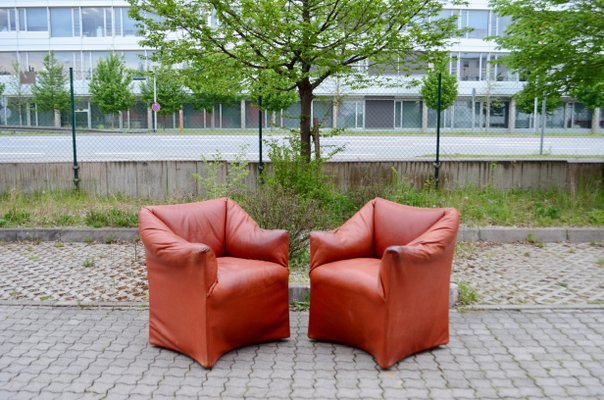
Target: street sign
(155, 107)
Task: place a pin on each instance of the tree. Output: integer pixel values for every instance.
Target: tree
(289, 44)
(2, 87)
(19, 98)
(448, 87)
(170, 93)
(49, 92)
(557, 45)
(110, 86)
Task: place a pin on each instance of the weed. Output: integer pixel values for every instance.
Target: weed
(600, 262)
(112, 217)
(59, 244)
(221, 178)
(532, 240)
(527, 254)
(467, 294)
(35, 258)
(88, 263)
(294, 173)
(301, 305)
(109, 239)
(13, 293)
(16, 217)
(45, 298)
(562, 284)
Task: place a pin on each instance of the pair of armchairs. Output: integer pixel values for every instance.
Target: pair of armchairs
(217, 281)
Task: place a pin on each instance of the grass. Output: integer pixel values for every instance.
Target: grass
(88, 263)
(478, 207)
(600, 262)
(466, 295)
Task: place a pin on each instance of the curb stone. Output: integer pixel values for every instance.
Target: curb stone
(466, 234)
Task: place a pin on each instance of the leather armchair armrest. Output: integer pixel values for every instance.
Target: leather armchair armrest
(245, 238)
(325, 247)
(172, 256)
(255, 243)
(424, 261)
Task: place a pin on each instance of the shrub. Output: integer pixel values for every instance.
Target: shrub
(274, 207)
(293, 172)
(213, 185)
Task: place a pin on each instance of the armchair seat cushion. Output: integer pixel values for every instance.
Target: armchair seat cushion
(241, 278)
(357, 275)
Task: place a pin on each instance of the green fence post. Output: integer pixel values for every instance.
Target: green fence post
(76, 179)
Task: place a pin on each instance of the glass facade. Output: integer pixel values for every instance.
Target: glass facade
(402, 109)
(8, 20)
(351, 114)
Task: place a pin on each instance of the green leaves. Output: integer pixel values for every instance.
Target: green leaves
(274, 47)
(110, 85)
(558, 45)
(170, 92)
(448, 93)
(50, 92)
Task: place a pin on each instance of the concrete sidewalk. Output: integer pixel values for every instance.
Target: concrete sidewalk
(72, 353)
(536, 332)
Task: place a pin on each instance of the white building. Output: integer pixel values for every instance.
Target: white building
(80, 32)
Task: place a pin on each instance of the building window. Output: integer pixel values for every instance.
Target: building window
(65, 22)
(97, 22)
(499, 24)
(408, 114)
(323, 111)
(469, 67)
(477, 21)
(32, 61)
(8, 21)
(124, 24)
(463, 116)
(7, 62)
(33, 19)
(351, 114)
(500, 71)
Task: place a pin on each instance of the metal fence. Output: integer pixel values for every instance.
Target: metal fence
(372, 124)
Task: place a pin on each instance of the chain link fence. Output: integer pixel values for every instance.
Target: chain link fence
(373, 124)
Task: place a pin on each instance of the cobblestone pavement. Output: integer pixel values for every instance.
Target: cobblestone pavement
(518, 273)
(74, 353)
(540, 273)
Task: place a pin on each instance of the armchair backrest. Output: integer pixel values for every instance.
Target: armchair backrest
(245, 239)
(397, 224)
(201, 222)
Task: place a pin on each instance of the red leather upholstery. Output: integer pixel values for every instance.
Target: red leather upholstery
(217, 281)
(380, 282)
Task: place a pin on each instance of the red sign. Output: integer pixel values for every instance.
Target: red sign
(155, 107)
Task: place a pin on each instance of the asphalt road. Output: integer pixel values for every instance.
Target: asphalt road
(45, 148)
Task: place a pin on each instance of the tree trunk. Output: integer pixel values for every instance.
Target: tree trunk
(57, 119)
(306, 95)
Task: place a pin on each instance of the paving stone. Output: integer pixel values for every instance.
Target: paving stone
(503, 372)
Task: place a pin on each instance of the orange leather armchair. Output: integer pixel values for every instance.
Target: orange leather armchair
(380, 282)
(216, 280)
